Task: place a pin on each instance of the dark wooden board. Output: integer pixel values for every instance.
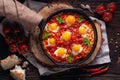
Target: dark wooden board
(113, 32)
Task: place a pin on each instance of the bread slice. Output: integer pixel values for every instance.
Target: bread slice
(10, 62)
(18, 73)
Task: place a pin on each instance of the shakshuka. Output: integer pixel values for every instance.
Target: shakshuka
(68, 37)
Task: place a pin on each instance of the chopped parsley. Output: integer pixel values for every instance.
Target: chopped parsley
(70, 57)
(86, 41)
(60, 20)
(80, 19)
(45, 35)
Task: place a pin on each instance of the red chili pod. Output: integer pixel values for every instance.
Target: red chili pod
(100, 71)
(92, 70)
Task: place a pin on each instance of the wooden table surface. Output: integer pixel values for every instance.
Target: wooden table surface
(113, 32)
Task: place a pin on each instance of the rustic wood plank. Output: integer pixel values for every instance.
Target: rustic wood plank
(113, 28)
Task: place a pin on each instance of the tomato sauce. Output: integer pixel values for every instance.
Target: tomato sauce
(76, 38)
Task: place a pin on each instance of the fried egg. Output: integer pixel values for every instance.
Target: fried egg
(70, 19)
(51, 41)
(61, 52)
(53, 27)
(66, 35)
(77, 49)
(83, 30)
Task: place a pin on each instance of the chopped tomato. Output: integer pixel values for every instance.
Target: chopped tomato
(75, 37)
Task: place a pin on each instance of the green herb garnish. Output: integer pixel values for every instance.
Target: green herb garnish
(60, 20)
(80, 19)
(45, 34)
(70, 57)
(86, 41)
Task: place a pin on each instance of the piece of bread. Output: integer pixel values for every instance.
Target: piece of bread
(10, 62)
(18, 73)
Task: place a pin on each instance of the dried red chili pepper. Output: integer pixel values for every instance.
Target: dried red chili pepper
(94, 69)
(100, 71)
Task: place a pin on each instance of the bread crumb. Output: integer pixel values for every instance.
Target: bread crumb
(25, 64)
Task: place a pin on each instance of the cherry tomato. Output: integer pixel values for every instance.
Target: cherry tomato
(10, 38)
(21, 39)
(6, 30)
(13, 48)
(17, 30)
(111, 7)
(23, 48)
(107, 16)
(100, 9)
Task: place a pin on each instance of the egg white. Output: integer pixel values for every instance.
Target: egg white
(85, 35)
(78, 52)
(46, 27)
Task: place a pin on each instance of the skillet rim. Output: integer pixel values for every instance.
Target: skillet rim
(42, 26)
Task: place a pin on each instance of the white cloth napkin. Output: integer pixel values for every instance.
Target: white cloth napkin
(101, 58)
(103, 55)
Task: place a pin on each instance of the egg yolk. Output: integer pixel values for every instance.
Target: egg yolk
(66, 36)
(82, 30)
(53, 26)
(52, 41)
(61, 52)
(70, 19)
(76, 48)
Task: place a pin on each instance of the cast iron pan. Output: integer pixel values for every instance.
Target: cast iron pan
(42, 26)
